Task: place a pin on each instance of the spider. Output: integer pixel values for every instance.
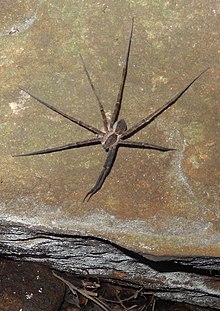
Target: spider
(115, 133)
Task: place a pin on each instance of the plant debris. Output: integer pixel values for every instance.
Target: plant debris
(100, 294)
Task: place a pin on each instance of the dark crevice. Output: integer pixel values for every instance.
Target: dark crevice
(158, 263)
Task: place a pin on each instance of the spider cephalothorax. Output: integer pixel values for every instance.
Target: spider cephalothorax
(115, 133)
(112, 137)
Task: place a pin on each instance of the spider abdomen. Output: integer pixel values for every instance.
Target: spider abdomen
(120, 127)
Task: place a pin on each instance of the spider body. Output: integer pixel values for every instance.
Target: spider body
(115, 133)
(112, 136)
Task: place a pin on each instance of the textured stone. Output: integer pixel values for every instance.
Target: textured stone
(184, 279)
(165, 204)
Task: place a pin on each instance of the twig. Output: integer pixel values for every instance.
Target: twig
(84, 293)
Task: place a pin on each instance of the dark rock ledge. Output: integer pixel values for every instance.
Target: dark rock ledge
(194, 280)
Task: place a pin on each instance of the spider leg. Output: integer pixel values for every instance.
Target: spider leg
(72, 119)
(137, 127)
(104, 173)
(123, 79)
(101, 108)
(143, 145)
(78, 144)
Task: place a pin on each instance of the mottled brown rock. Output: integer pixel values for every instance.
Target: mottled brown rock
(151, 203)
(164, 204)
(28, 287)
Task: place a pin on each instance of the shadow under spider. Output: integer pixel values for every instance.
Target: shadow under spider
(115, 133)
